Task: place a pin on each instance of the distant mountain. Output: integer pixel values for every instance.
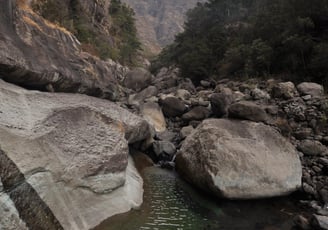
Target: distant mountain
(158, 21)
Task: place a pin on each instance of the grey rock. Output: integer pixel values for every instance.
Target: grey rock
(73, 151)
(311, 147)
(220, 103)
(164, 148)
(286, 90)
(139, 98)
(183, 94)
(239, 160)
(186, 131)
(247, 110)
(137, 79)
(172, 107)
(166, 136)
(310, 88)
(320, 222)
(258, 94)
(198, 113)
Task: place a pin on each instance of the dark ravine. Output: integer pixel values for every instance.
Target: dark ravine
(27, 201)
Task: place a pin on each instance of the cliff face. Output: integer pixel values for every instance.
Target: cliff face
(38, 54)
(160, 20)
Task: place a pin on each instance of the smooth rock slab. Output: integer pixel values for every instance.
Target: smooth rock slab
(73, 151)
(239, 160)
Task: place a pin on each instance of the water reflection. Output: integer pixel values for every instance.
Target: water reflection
(170, 203)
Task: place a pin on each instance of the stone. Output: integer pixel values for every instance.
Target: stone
(320, 222)
(220, 103)
(141, 160)
(166, 136)
(302, 223)
(139, 98)
(153, 114)
(64, 157)
(186, 131)
(303, 133)
(285, 90)
(310, 88)
(164, 150)
(248, 111)
(258, 94)
(239, 160)
(205, 84)
(198, 113)
(137, 79)
(183, 94)
(311, 147)
(172, 107)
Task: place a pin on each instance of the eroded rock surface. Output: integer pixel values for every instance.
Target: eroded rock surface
(72, 151)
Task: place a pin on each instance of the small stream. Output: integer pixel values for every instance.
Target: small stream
(171, 203)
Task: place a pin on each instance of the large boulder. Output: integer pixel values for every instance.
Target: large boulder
(248, 110)
(64, 158)
(220, 102)
(239, 160)
(310, 88)
(286, 90)
(152, 113)
(137, 79)
(173, 106)
(37, 54)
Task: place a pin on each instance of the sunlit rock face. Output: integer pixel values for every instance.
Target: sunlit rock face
(38, 54)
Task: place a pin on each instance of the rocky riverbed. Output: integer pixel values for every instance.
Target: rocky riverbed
(231, 137)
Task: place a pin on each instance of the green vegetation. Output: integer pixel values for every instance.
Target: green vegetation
(237, 38)
(117, 41)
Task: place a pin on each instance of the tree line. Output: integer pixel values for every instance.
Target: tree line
(252, 38)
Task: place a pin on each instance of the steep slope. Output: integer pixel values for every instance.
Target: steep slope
(38, 54)
(159, 21)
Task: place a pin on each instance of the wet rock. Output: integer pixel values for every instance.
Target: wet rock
(310, 147)
(309, 88)
(137, 79)
(164, 150)
(239, 160)
(198, 113)
(247, 110)
(172, 107)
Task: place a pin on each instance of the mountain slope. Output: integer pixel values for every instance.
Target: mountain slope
(159, 21)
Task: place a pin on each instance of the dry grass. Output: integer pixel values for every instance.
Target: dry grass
(23, 5)
(31, 22)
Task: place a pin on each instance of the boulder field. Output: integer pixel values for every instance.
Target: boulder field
(64, 159)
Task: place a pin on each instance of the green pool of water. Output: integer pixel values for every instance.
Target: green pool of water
(171, 203)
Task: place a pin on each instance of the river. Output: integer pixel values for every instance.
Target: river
(171, 203)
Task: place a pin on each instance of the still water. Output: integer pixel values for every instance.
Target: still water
(171, 203)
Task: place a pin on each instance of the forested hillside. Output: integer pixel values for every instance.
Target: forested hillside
(106, 29)
(237, 38)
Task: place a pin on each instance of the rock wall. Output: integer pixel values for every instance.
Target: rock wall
(37, 54)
